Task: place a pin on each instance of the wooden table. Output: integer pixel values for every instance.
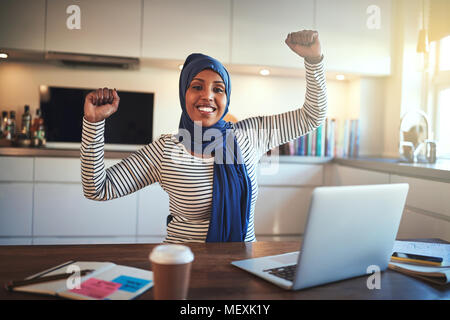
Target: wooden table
(213, 277)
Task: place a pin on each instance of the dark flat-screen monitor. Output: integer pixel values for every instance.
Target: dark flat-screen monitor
(62, 110)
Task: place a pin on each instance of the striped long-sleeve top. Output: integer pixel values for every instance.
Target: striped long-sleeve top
(188, 179)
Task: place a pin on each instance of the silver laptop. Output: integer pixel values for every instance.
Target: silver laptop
(348, 230)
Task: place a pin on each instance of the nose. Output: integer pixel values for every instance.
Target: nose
(207, 94)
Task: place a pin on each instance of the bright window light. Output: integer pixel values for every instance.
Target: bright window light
(444, 55)
(444, 128)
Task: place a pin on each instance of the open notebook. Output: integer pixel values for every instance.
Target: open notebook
(106, 281)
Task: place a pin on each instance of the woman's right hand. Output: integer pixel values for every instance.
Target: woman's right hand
(100, 104)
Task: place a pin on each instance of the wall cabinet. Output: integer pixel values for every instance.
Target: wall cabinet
(42, 202)
(346, 176)
(22, 24)
(261, 27)
(153, 209)
(16, 198)
(427, 195)
(61, 210)
(102, 27)
(355, 35)
(427, 209)
(16, 208)
(173, 29)
(283, 198)
(416, 224)
(281, 210)
(427, 212)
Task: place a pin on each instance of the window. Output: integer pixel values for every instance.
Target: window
(440, 93)
(443, 116)
(444, 54)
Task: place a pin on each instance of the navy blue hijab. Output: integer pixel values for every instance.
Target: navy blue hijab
(231, 183)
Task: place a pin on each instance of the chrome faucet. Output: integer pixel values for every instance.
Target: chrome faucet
(415, 145)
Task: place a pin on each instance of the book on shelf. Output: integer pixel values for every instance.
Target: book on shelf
(333, 138)
(330, 139)
(87, 280)
(347, 138)
(320, 142)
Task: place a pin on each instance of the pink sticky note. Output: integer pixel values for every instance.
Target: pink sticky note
(96, 288)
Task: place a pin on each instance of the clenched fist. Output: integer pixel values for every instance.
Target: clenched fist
(306, 44)
(100, 104)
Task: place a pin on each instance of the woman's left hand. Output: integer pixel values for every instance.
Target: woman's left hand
(306, 44)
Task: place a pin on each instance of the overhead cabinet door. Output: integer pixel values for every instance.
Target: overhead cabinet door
(173, 29)
(22, 24)
(355, 35)
(102, 27)
(261, 27)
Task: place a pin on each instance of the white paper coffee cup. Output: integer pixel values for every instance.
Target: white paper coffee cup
(171, 266)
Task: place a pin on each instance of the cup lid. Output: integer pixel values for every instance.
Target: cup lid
(171, 254)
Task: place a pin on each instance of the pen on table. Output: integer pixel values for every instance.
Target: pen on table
(416, 258)
(60, 276)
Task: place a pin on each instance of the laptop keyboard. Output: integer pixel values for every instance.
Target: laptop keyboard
(286, 272)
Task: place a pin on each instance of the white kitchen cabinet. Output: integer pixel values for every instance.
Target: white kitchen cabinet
(57, 169)
(153, 209)
(292, 174)
(432, 196)
(281, 210)
(16, 169)
(16, 196)
(284, 196)
(101, 27)
(261, 27)
(22, 24)
(82, 240)
(416, 224)
(173, 29)
(60, 209)
(16, 207)
(355, 35)
(347, 176)
(49, 169)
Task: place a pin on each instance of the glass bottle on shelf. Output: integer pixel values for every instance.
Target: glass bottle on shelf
(4, 124)
(26, 123)
(11, 131)
(34, 130)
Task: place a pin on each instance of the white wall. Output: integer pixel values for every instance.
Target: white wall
(251, 95)
(367, 103)
(404, 88)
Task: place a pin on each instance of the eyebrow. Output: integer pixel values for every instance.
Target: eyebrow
(198, 79)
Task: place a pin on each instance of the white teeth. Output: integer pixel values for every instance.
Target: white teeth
(206, 109)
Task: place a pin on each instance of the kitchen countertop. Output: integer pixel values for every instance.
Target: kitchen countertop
(57, 153)
(439, 171)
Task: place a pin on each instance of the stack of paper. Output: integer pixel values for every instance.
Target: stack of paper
(437, 273)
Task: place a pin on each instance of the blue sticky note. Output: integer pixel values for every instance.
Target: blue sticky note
(131, 284)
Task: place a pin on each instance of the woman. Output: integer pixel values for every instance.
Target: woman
(209, 167)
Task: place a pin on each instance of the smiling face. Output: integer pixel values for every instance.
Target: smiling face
(206, 98)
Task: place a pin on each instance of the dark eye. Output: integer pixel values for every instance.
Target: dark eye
(218, 89)
(196, 87)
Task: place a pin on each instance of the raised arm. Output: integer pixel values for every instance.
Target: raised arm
(129, 175)
(268, 132)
